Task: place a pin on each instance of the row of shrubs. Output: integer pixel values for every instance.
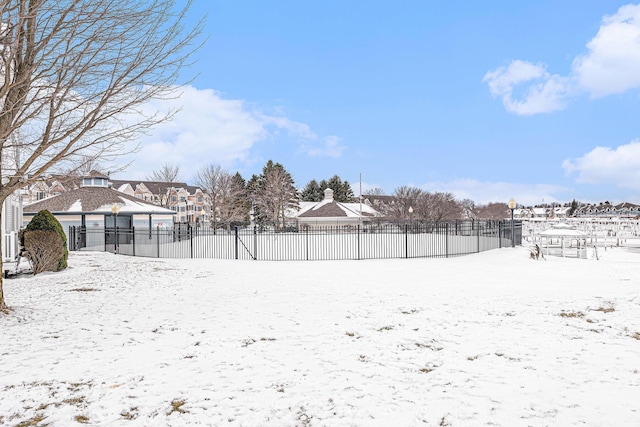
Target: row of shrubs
(44, 243)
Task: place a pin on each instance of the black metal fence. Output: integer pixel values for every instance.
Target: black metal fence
(415, 240)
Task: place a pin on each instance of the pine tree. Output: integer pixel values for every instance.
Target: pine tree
(311, 192)
(574, 207)
(342, 191)
(275, 193)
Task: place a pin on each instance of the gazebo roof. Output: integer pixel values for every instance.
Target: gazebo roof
(563, 230)
(94, 200)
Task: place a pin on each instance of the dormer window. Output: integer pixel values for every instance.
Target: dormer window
(95, 182)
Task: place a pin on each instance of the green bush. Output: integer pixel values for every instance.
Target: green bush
(44, 220)
(43, 250)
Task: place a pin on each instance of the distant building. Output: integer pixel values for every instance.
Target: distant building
(328, 212)
(607, 210)
(91, 206)
(188, 202)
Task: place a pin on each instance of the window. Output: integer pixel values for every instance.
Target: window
(174, 199)
(183, 199)
(40, 195)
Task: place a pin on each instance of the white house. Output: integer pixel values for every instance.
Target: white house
(11, 209)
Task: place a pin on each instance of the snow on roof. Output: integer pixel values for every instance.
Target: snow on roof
(563, 230)
(94, 200)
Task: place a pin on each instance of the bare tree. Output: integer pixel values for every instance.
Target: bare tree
(407, 199)
(227, 199)
(494, 211)
(74, 75)
(468, 209)
(211, 180)
(376, 191)
(234, 205)
(167, 173)
(439, 206)
(163, 180)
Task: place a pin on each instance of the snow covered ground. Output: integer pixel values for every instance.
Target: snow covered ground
(493, 338)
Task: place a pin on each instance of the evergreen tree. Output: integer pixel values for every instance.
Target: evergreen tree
(242, 201)
(342, 191)
(312, 192)
(253, 190)
(574, 207)
(274, 193)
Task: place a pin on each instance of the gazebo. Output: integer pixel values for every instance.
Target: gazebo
(565, 237)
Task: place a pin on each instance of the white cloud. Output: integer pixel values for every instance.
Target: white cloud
(502, 80)
(546, 93)
(209, 129)
(611, 65)
(604, 165)
(330, 147)
(482, 192)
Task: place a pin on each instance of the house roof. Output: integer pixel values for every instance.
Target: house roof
(329, 208)
(156, 187)
(94, 200)
(381, 199)
(563, 230)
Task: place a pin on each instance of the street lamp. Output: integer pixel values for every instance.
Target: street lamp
(203, 213)
(114, 212)
(411, 215)
(512, 206)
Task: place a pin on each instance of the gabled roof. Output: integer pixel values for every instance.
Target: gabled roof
(329, 208)
(380, 199)
(156, 187)
(94, 200)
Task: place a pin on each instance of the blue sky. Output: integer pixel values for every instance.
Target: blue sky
(539, 101)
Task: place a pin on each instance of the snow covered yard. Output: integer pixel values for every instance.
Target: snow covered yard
(492, 338)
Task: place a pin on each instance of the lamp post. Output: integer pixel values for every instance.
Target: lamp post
(512, 206)
(411, 215)
(202, 213)
(114, 211)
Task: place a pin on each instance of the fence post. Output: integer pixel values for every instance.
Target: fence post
(72, 239)
(359, 242)
(500, 234)
(446, 240)
(255, 242)
(306, 234)
(133, 239)
(406, 241)
(236, 241)
(190, 230)
(158, 239)
(478, 231)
